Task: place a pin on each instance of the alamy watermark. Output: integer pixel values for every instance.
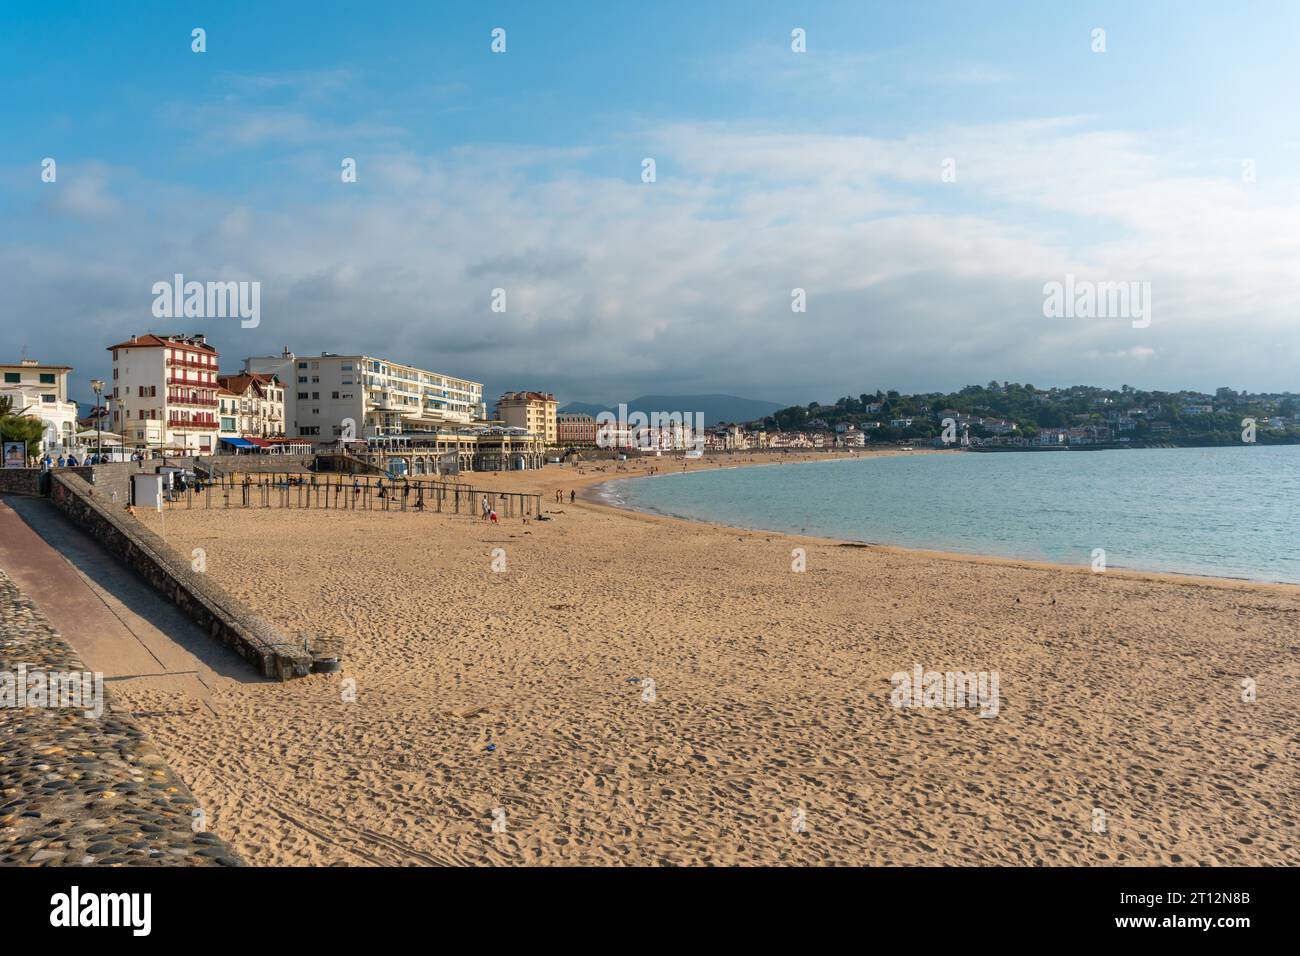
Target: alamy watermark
(1085, 299)
(208, 300)
(948, 690)
(656, 431)
(79, 690)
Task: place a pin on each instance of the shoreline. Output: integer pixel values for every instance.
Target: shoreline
(588, 492)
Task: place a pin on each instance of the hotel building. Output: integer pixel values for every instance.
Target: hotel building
(164, 393)
(531, 411)
(575, 429)
(257, 406)
(41, 391)
(322, 392)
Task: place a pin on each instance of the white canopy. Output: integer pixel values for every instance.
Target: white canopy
(107, 438)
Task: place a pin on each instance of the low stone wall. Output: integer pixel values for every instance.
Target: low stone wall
(219, 613)
(114, 478)
(21, 481)
(78, 789)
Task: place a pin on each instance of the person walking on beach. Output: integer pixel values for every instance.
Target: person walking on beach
(572, 495)
(486, 507)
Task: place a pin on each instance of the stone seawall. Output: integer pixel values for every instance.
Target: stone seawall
(78, 790)
(114, 478)
(21, 481)
(219, 613)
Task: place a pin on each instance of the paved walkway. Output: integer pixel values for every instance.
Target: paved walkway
(113, 620)
(78, 786)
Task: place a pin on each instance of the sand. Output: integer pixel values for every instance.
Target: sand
(1119, 692)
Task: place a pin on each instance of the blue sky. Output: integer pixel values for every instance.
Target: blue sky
(775, 170)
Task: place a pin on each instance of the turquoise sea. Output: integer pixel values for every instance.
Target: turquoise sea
(1225, 512)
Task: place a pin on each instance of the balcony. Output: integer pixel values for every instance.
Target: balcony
(189, 423)
(190, 363)
(201, 401)
(187, 380)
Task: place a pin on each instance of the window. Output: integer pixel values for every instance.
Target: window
(302, 364)
(47, 378)
(302, 396)
(334, 395)
(302, 379)
(49, 399)
(315, 396)
(13, 377)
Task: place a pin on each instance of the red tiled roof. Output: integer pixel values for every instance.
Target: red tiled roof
(149, 340)
(239, 383)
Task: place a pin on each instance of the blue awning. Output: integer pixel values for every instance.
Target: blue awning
(239, 442)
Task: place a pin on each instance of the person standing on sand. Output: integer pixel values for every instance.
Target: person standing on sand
(486, 507)
(572, 495)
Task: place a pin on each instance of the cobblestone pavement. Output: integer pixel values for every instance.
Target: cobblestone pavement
(78, 789)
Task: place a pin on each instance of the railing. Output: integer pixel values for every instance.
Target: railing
(356, 493)
(197, 423)
(182, 400)
(186, 380)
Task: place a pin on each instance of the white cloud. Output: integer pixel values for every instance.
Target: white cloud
(618, 287)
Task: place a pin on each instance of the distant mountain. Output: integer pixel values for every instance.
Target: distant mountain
(716, 408)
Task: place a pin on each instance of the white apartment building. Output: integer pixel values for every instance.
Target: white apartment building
(41, 391)
(164, 393)
(379, 397)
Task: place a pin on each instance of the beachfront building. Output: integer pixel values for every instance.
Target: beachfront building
(574, 429)
(328, 395)
(164, 393)
(227, 415)
(259, 405)
(535, 412)
(41, 391)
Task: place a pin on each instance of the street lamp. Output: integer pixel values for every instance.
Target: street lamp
(98, 385)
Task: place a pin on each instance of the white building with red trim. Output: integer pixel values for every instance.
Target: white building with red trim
(164, 393)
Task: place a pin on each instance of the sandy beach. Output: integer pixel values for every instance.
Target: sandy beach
(521, 695)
